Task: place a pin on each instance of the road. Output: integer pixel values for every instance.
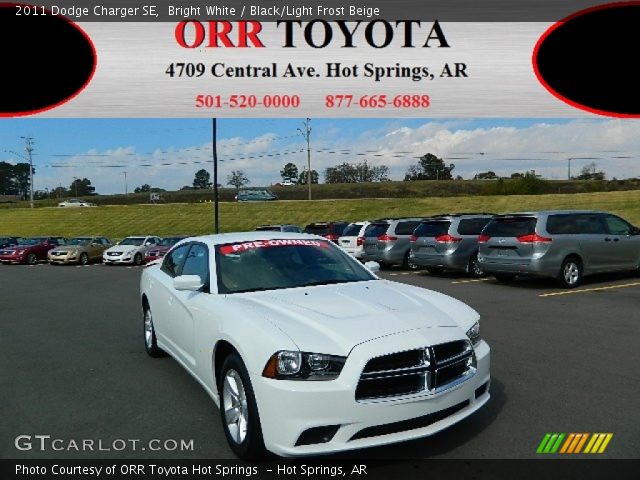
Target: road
(72, 366)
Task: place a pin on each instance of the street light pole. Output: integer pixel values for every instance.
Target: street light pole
(214, 135)
(126, 187)
(306, 133)
(29, 148)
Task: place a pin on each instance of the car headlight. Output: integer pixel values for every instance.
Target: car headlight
(72, 252)
(474, 333)
(293, 365)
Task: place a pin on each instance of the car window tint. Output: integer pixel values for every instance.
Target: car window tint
(338, 228)
(562, 224)
(590, 224)
(352, 230)
(322, 229)
(510, 227)
(406, 228)
(172, 261)
(617, 226)
(432, 229)
(376, 229)
(472, 226)
(197, 263)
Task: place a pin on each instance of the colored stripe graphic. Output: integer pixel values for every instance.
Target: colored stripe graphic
(573, 443)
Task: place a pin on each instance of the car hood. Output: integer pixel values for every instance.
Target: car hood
(333, 319)
(68, 248)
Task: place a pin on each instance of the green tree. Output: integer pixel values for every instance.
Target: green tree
(82, 187)
(590, 172)
(289, 172)
(490, 175)
(201, 179)
(238, 179)
(142, 188)
(302, 178)
(430, 167)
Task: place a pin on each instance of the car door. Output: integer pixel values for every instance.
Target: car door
(594, 242)
(624, 247)
(181, 309)
(162, 295)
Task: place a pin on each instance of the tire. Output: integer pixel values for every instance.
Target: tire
(406, 263)
(32, 259)
(473, 267)
(435, 270)
(239, 411)
(137, 259)
(150, 344)
(504, 278)
(571, 272)
(84, 259)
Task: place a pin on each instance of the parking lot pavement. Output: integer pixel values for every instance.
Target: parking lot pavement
(72, 365)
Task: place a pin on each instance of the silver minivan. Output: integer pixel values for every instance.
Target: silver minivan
(386, 241)
(449, 242)
(562, 244)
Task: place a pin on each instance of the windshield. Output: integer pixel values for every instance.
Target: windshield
(169, 241)
(79, 241)
(137, 241)
(278, 264)
(31, 241)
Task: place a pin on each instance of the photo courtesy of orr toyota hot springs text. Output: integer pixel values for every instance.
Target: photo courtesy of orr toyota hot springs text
(308, 240)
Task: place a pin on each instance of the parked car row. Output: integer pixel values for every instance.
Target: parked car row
(566, 245)
(83, 250)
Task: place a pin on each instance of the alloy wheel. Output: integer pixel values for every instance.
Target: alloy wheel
(234, 403)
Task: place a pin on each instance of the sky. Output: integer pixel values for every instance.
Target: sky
(166, 153)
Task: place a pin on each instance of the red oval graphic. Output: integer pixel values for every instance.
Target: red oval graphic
(584, 60)
(47, 59)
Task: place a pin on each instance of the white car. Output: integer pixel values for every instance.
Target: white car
(131, 250)
(76, 202)
(352, 238)
(307, 351)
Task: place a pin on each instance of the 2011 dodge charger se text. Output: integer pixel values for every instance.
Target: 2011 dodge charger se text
(305, 350)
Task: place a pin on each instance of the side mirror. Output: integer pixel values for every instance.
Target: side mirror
(191, 283)
(373, 266)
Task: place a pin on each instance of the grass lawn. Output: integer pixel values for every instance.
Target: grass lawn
(197, 218)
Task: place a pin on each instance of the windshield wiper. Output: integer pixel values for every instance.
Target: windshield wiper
(325, 282)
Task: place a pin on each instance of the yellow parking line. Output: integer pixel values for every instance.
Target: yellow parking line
(596, 289)
(472, 281)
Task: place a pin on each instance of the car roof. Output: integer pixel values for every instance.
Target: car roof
(547, 212)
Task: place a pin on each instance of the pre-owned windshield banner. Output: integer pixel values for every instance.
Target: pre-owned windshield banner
(406, 58)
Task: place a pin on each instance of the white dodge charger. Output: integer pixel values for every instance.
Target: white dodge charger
(305, 350)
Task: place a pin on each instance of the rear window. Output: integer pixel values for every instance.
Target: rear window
(338, 228)
(432, 229)
(376, 229)
(352, 230)
(406, 228)
(318, 229)
(510, 227)
(472, 226)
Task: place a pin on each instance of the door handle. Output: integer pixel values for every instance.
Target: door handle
(616, 239)
(607, 239)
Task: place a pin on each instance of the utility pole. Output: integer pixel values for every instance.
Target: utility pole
(214, 135)
(28, 141)
(306, 133)
(75, 186)
(126, 187)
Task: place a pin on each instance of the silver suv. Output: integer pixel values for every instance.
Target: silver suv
(563, 244)
(449, 242)
(386, 241)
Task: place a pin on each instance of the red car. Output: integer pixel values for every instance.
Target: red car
(162, 248)
(30, 250)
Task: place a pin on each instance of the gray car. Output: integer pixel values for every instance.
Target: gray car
(449, 242)
(386, 241)
(566, 245)
(279, 228)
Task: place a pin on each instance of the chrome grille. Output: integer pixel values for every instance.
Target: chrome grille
(429, 369)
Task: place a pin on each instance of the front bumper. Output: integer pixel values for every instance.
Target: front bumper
(121, 259)
(13, 258)
(66, 258)
(289, 408)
